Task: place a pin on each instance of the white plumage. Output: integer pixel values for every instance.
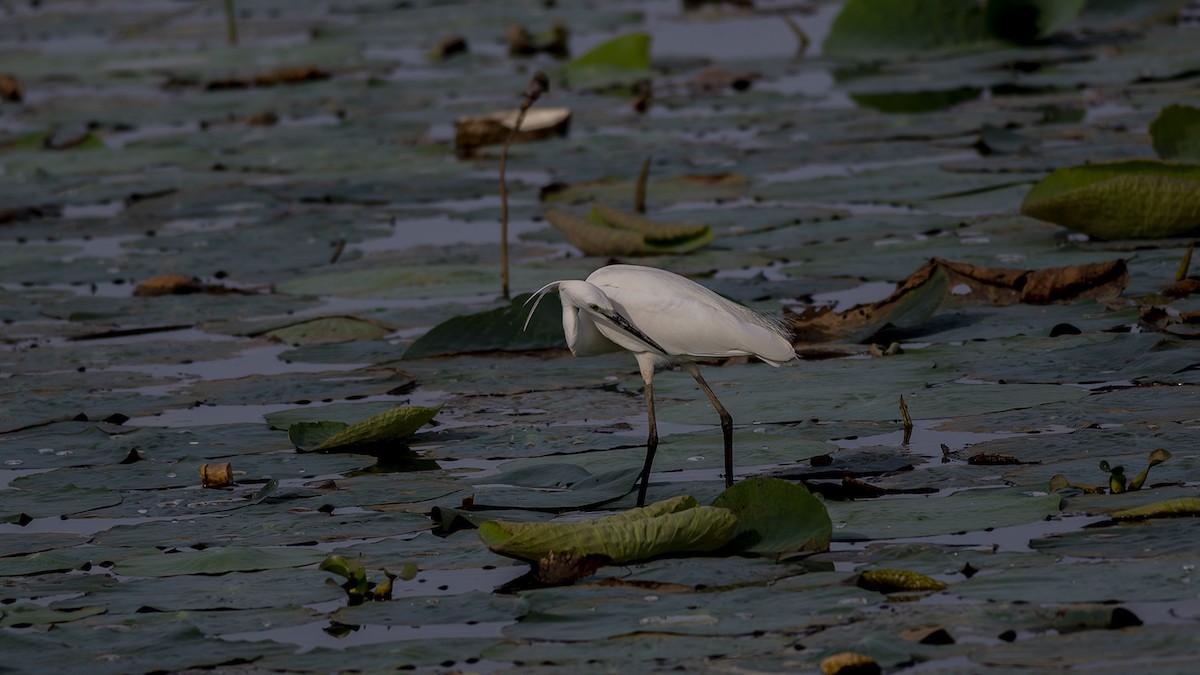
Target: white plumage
(664, 319)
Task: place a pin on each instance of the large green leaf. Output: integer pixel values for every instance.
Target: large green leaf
(776, 517)
(676, 525)
(500, 329)
(622, 59)
(388, 427)
(1028, 20)
(1176, 133)
(1131, 199)
(873, 28)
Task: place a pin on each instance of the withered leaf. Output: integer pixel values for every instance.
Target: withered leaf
(919, 296)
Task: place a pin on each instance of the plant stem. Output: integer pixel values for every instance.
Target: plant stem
(230, 23)
(639, 190)
(537, 86)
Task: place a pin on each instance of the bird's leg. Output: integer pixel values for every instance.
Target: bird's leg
(726, 419)
(647, 368)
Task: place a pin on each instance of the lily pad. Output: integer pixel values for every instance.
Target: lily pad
(218, 560)
(328, 329)
(1025, 21)
(28, 614)
(1176, 133)
(595, 490)
(775, 517)
(509, 328)
(63, 501)
(1131, 199)
(620, 60)
(966, 511)
(882, 28)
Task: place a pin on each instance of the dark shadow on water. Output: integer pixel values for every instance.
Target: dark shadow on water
(931, 326)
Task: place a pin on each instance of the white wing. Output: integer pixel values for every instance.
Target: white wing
(687, 319)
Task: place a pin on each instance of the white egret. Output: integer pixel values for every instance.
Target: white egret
(664, 319)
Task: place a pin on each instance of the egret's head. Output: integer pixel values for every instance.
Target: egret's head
(585, 296)
(579, 295)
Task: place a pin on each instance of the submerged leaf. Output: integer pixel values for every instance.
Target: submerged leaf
(1129, 199)
(217, 560)
(328, 329)
(676, 526)
(28, 614)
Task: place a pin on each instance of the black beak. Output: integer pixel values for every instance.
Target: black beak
(625, 325)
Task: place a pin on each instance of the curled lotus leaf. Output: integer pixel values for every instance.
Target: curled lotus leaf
(1168, 508)
(388, 426)
(677, 525)
(892, 581)
(611, 232)
(1129, 199)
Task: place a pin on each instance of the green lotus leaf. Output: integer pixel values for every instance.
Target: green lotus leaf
(29, 614)
(1157, 457)
(673, 526)
(892, 581)
(626, 234)
(1026, 21)
(1169, 508)
(386, 427)
(776, 517)
(1129, 199)
(1176, 133)
(500, 329)
(620, 60)
(218, 560)
(328, 329)
(915, 101)
(874, 28)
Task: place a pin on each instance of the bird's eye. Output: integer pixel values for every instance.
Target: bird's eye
(594, 307)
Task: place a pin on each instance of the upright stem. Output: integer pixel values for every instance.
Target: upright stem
(504, 199)
(639, 190)
(230, 23)
(537, 86)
